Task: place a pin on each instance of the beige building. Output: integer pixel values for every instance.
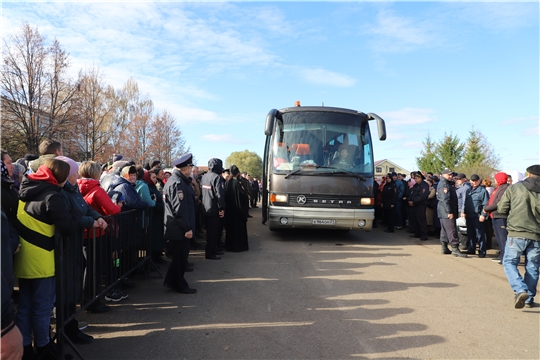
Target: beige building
(383, 167)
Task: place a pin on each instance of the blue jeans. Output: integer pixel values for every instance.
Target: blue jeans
(499, 228)
(36, 301)
(476, 232)
(515, 247)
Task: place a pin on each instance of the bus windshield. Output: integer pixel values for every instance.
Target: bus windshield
(318, 142)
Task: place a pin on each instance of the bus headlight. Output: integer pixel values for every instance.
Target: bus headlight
(361, 223)
(283, 221)
(367, 201)
(275, 198)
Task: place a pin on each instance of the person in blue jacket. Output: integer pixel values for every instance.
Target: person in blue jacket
(125, 184)
(480, 199)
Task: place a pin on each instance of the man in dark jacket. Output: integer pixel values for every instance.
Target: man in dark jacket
(521, 202)
(254, 192)
(179, 222)
(417, 202)
(447, 210)
(479, 199)
(213, 196)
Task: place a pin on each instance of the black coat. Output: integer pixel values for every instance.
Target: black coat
(213, 189)
(235, 221)
(157, 219)
(419, 193)
(447, 199)
(389, 194)
(179, 216)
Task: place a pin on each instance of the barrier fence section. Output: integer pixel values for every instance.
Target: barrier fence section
(92, 266)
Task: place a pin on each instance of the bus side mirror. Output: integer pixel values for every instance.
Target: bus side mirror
(270, 119)
(381, 127)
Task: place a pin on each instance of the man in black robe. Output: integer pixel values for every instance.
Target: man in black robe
(236, 239)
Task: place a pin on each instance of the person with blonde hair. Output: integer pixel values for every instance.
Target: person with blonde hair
(98, 199)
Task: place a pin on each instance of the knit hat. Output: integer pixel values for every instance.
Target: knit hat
(117, 165)
(117, 157)
(73, 166)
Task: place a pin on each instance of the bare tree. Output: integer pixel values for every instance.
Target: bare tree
(96, 119)
(166, 142)
(36, 94)
(23, 86)
(137, 110)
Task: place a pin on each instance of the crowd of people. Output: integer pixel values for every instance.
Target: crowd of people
(466, 214)
(53, 194)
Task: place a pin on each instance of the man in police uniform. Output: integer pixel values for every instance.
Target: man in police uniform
(447, 210)
(179, 222)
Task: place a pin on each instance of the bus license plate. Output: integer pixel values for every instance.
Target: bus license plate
(323, 222)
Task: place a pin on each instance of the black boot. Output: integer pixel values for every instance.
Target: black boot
(29, 353)
(444, 249)
(48, 352)
(457, 253)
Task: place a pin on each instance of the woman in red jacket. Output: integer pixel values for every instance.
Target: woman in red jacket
(92, 192)
(99, 200)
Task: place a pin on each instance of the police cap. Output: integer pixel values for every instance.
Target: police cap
(183, 161)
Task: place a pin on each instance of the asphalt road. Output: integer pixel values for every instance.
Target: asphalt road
(323, 295)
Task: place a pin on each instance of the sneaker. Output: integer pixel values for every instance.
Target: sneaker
(531, 304)
(398, 227)
(519, 300)
(497, 259)
(116, 296)
(82, 325)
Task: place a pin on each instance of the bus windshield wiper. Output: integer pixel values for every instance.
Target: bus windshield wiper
(292, 173)
(341, 172)
(307, 167)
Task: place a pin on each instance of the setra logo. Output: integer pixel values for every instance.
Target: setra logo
(301, 199)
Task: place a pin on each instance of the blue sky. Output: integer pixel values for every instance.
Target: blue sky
(218, 68)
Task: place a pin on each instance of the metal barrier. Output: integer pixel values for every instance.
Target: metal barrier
(90, 267)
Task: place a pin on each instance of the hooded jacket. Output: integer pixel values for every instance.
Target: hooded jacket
(132, 200)
(42, 212)
(97, 198)
(521, 202)
(213, 188)
(502, 182)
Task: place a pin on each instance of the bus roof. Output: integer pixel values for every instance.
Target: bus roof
(319, 108)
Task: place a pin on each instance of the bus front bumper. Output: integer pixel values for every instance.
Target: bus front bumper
(322, 218)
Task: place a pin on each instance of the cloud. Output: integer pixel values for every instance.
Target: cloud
(325, 77)
(393, 33)
(521, 120)
(498, 16)
(534, 131)
(409, 116)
